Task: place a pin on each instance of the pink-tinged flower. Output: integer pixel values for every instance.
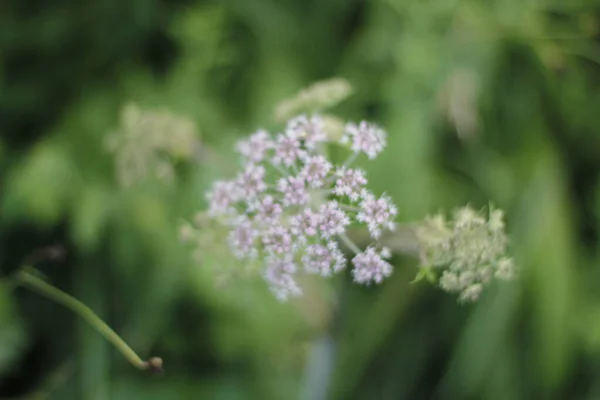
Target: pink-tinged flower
(366, 138)
(242, 239)
(268, 210)
(369, 266)
(251, 181)
(289, 202)
(304, 224)
(311, 130)
(288, 150)
(222, 198)
(294, 191)
(333, 220)
(350, 182)
(315, 170)
(255, 147)
(279, 274)
(323, 259)
(377, 213)
(278, 240)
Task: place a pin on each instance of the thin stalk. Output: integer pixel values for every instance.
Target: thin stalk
(348, 242)
(321, 191)
(349, 208)
(279, 169)
(350, 159)
(41, 287)
(329, 180)
(319, 367)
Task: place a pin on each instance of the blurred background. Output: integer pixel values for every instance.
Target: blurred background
(484, 101)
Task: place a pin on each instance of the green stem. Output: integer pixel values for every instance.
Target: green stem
(38, 285)
(348, 242)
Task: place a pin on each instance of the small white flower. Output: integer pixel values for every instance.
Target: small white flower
(333, 220)
(268, 210)
(350, 182)
(466, 217)
(496, 220)
(315, 170)
(255, 147)
(505, 270)
(294, 191)
(323, 259)
(465, 278)
(278, 240)
(471, 293)
(385, 252)
(242, 239)
(304, 224)
(279, 274)
(288, 150)
(366, 138)
(485, 274)
(449, 282)
(311, 130)
(251, 181)
(377, 213)
(222, 197)
(369, 267)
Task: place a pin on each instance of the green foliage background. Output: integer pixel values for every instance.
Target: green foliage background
(484, 101)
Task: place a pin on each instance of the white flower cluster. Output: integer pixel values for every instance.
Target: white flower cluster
(318, 96)
(470, 249)
(148, 142)
(289, 204)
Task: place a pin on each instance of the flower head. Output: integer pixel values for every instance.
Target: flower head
(315, 170)
(470, 249)
(323, 259)
(279, 274)
(268, 210)
(309, 129)
(288, 150)
(288, 206)
(305, 224)
(278, 240)
(350, 182)
(147, 143)
(320, 95)
(377, 213)
(222, 197)
(256, 146)
(251, 181)
(333, 220)
(365, 138)
(242, 239)
(370, 266)
(294, 190)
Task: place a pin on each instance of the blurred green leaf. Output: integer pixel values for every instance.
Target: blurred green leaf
(42, 186)
(90, 215)
(13, 336)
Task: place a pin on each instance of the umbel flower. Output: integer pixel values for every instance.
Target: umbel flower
(470, 250)
(148, 142)
(319, 96)
(290, 205)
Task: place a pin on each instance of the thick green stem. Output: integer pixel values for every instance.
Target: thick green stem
(38, 285)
